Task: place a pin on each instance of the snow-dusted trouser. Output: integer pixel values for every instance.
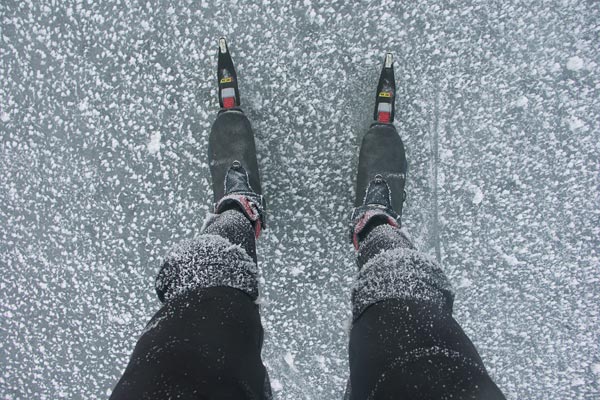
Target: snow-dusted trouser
(404, 342)
(205, 342)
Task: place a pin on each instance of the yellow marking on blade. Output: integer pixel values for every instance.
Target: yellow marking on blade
(226, 80)
(385, 94)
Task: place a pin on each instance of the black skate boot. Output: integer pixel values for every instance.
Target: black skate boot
(232, 152)
(382, 165)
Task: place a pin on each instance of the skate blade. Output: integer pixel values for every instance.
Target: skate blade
(386, 92)
(229, 96)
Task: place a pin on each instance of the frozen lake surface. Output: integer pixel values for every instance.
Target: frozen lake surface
(104, 114)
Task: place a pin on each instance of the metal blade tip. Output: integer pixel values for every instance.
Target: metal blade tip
(223, 45)
(389, 60)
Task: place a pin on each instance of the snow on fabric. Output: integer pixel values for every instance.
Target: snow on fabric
(206, 261)
(402, 273)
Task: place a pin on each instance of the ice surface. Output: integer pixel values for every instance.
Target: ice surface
(91, 89)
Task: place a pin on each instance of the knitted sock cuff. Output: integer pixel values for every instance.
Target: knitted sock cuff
(206, 261)
(401, 273)
(382, 237)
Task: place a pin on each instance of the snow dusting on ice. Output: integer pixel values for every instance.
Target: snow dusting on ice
(154, 144)
(104, 113)
(477, 195)
(575, 63)
(522, 102)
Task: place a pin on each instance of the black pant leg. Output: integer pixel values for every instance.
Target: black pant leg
(205, 341)
(404, 349)
(204, 344)
(404, 342)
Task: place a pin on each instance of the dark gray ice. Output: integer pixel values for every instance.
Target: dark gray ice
(104, 113)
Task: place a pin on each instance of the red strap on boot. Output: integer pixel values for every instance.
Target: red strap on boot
(366, 218)
(249, 208)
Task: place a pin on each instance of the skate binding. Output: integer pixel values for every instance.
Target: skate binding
(238, 193)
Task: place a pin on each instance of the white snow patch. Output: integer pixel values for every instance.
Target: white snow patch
(574, 63)
(152, 324)
(83, 106)
(522, 102)
(446, 154)
(154, 144)
(511, 260)
(464, 283)
(121, 319)
(577, 381)
(261, 301)
(477, 195)
(295, 271)
(4, 117)
(441, 179)
(321, 361)
(596, 369)
(347, 325)
(276, 385)
(575, 123)
(289, 359)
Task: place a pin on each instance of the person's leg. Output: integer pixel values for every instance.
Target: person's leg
(205, 342)
(404, 343)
